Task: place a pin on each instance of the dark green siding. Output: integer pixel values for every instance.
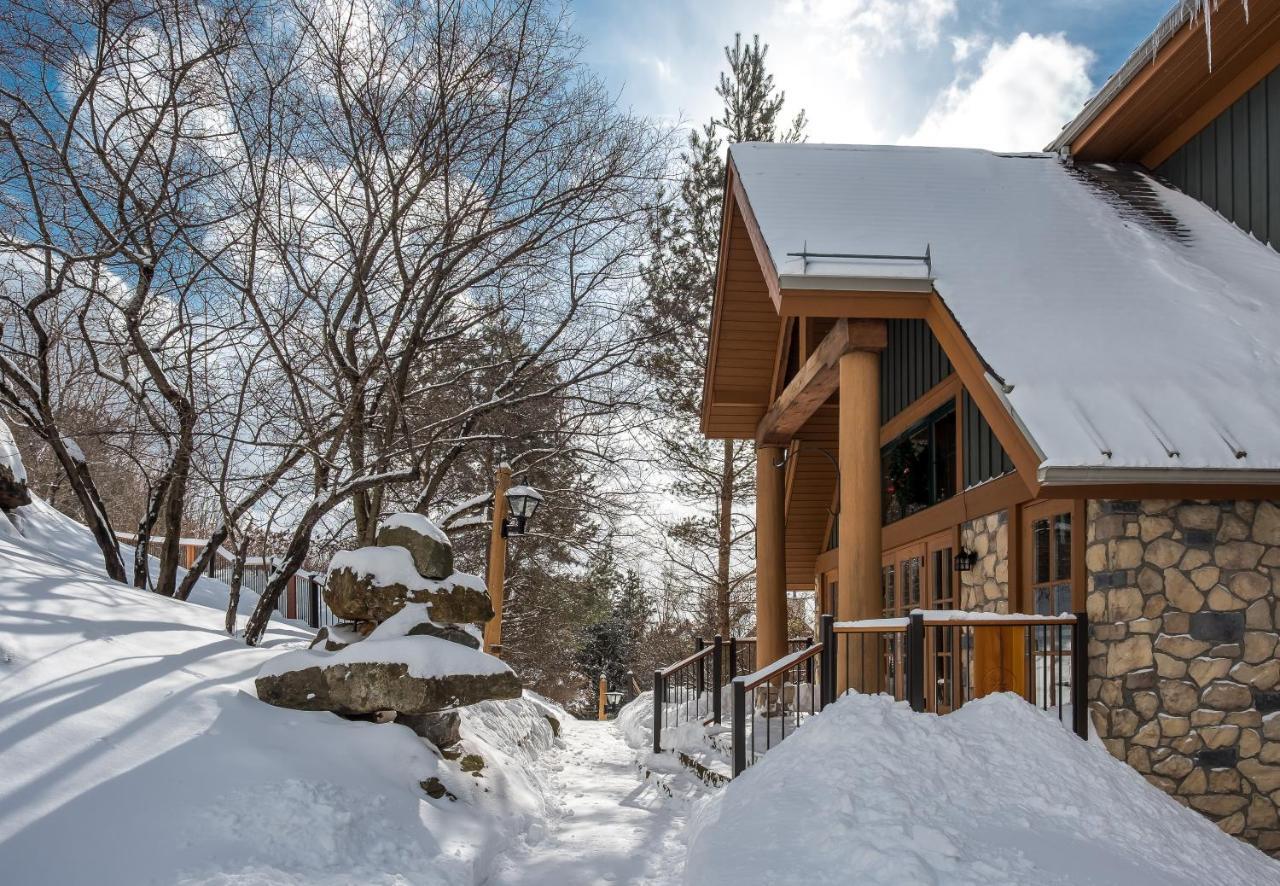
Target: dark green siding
(912, 364)
(984, 457)
(1233, 164)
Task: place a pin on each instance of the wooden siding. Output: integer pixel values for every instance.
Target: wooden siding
(912, 363)
(742, 370)
(1233, 164)
(984, 457)
(811, 485)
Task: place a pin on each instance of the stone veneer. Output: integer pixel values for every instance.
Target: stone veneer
(985, 587)
(1184, 681)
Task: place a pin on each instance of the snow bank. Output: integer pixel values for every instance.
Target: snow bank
(132, 751)
(996, 792)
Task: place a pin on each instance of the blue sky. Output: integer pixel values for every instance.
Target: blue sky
(1003, 74)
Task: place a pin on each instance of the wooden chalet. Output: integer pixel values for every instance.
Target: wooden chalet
(1059, 372)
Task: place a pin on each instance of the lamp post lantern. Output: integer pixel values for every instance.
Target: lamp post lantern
(520, 503)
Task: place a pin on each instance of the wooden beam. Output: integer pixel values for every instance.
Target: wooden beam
(818, 379)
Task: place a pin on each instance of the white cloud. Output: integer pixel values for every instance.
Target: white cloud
(875, 25)
(1026, 90)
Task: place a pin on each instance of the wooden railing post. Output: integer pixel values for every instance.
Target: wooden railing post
(716, 666)
(739, 725)
(657, 712)
(915, 661)
(733, 658)
(1080, 676)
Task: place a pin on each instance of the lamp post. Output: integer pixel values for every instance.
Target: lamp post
(520, 502)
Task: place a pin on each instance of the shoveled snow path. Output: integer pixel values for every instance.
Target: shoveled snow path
(608, 824)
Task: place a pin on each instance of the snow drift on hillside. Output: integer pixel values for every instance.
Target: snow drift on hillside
(995, 793)
(133, 751)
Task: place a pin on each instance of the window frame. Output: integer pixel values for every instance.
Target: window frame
(1048, 509)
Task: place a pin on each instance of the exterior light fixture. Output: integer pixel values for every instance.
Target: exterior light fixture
(614, 698)
(965, 560)
(522, 504)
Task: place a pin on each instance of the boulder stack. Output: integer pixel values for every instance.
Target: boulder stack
(411, 642)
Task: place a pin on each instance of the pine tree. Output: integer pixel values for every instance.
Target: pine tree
(711, 547)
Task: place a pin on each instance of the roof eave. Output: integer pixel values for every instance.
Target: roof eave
(855, 283)
(1101, 475)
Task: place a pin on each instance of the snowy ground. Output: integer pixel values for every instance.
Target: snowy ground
(611, 821)
(133, 750)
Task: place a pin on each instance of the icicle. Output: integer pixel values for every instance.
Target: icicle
(1208, 31)
(1245, 4)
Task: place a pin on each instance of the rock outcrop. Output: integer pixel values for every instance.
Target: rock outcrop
(422, 656)
(13, 477)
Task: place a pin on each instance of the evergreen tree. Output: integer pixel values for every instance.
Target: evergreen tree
(712, 547)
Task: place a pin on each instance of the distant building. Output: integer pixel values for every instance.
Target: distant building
(302, 600)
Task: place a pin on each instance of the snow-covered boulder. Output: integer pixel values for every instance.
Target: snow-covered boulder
(13, 475)
(372, 584)
(409, 675)
(426, 542)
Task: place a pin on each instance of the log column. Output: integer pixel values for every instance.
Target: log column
(496, 576)
(858, 560)
(771, 564)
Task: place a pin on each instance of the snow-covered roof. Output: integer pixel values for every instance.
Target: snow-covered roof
(1127, 326)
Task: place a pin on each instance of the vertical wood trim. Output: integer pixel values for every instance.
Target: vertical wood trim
(1079, 539)
(1017, 586)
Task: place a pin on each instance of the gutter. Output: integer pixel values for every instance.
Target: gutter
(1183, 12)
(1104, 476)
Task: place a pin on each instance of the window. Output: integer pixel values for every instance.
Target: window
(1051, 564)
(918, 469)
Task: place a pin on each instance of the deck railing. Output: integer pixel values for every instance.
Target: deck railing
(688, 690)
(776, 697)
(935, 660)
(938, 660)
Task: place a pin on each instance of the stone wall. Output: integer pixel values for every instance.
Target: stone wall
(1184, 678)
(985, 587)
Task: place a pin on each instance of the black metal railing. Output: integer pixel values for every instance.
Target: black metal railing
(688, 690)
(741, 657)
(779, 696)
(934, 660)
(939, 660)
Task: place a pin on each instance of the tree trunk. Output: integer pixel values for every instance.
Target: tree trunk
(293, 559)
(174, 502)
(95, 512)
(142, 544)
(237, 579)
(724, 540)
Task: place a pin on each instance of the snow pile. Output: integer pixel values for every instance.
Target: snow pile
(132, 750)
(996, 792)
